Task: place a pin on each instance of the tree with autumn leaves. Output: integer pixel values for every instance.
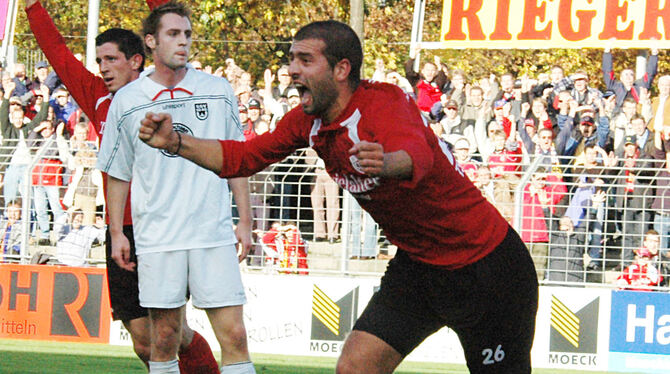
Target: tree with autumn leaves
(257, 34)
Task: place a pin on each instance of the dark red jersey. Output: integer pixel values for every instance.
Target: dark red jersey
(438, 216)
(87, 89)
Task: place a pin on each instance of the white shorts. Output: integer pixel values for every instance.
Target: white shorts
(210, 275)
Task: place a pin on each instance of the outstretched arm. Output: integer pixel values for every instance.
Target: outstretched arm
(157, 132)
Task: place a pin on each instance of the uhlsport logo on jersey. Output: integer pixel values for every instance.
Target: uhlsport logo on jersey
(201, 111)
(573, 339)
(181, 128)
(332, 320)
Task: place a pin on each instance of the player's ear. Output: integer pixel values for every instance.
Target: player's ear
(341, 70)
(136, 61)
(150, 41)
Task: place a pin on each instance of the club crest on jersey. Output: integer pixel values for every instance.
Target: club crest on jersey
(181, 128)
(201, 111)
(356, 164)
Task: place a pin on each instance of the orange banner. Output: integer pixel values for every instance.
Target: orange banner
(509, 24)
(54, 303)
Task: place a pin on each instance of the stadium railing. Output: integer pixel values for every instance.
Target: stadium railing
(602, 243)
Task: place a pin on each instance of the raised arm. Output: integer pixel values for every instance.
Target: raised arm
(608, 68)
(83, 85)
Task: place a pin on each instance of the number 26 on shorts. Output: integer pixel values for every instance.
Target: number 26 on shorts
(491, 357)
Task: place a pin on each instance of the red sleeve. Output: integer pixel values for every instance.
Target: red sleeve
(83, 85)
(269, 237)
(398, 126)
(243, 159)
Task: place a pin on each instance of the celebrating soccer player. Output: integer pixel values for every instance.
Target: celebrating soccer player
(459, 263)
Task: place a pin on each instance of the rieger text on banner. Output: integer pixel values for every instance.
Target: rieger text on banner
(507, 24)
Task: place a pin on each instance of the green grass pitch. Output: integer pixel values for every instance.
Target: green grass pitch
(41, 357)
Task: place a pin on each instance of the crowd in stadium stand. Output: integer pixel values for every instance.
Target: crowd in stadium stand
(581, 170)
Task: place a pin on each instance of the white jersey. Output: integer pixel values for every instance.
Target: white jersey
(175, 203)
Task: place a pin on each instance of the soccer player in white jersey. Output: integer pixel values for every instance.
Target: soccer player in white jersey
(182, 223)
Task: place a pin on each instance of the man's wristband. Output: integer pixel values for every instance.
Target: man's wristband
(178, 144)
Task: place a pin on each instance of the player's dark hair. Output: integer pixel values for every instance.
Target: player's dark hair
(341, 43)
(151, 24)
(129, 43)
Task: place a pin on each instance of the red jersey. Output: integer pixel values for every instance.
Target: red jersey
(504, 162)
(290, 248)
(438, 216)
(87, 89)
(427, 95)
(639, 277)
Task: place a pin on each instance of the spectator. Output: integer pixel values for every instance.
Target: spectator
(380, 71)
(540, 144)
(47, 178)
(642, 274)
(16, 130)
(393, 77)
(556, 74)
(622, 122)
(243, 94)
(85, 190)
(626, 86)
(484, 132)
(510, 92)
(11, 230)
(75, 238)
(540, 198)
(43, 77)
(475, 106)
(505, 160)
(566, 260)
(21, 80)
(290, 250)
(590, 177)
(633, 197)
(454, 128)
(429, 84)
(361, 222)
(571, 141)
(325, 189)
(77, 142)
(278, 106)
(63, 106)
(538, 114)
(285, 81)
(462, 153)
(245, 121)
(643, 137)
(658, 109)
(496, 191)
(578, 85)
(261, 186)
(254, 111)
(661, 203)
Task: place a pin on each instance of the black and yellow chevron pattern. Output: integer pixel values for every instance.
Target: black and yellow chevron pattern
(326, 311)
(565, 321)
